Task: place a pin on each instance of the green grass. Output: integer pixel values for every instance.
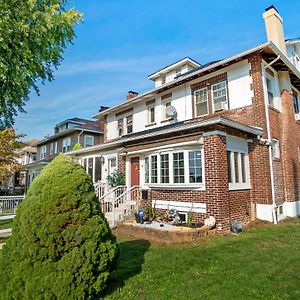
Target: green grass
(262, 263)
(4, 224)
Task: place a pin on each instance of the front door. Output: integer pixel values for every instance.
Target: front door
(135, 171)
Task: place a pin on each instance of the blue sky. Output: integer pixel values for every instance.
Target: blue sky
(121, 42)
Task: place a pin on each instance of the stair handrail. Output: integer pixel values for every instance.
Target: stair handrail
(125, 194)
(112, 191)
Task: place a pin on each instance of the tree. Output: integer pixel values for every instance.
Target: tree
(62, 246)
(8, 157)
(33, 37)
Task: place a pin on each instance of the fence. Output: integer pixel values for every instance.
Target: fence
(9, 204)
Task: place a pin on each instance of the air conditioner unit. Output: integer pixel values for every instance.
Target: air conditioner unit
(224, 105)
(297, 117)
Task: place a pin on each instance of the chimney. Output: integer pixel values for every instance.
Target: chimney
(103, 108)
(131, 95)
(274, 28)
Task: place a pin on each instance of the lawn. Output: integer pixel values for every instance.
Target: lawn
(262, 263)
(6, 224)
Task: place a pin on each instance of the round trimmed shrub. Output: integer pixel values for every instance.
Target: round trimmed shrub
(62, 246)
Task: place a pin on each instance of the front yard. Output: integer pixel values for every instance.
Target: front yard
(262, 263)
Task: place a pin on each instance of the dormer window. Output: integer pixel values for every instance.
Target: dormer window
(163, 79)
(177, 72)
(219, 96)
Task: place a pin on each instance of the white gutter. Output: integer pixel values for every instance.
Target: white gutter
(153, 92)
(78, 137)
(269, 144)
(183, 126)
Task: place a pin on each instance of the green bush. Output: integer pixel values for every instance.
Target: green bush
(77, 146)
(115, 179)
(62, 246)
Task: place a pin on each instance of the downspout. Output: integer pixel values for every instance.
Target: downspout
(78, 137)
(269, 144)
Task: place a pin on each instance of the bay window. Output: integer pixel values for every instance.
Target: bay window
(93, 166)
(175, 168)
(238, 163)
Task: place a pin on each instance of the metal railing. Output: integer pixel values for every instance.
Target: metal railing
(101, 188)
(9, 204)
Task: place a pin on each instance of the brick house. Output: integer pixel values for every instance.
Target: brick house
(220, 139)
(66, 134)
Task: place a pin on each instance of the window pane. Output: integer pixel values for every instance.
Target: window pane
(164, 168)
(219, 95)
(229, 166)
(201, 102)
(178, 167)
(129, 124)
(98, 168)
(147, 170)
(270, 91)
(243, 167)
(120, 127)
(195, 167)
(236, 167)
(90, 166)
(295, 103)
(154, 169)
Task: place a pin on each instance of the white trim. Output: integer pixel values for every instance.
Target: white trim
(85, 138)
(214, 132)
(181, 206)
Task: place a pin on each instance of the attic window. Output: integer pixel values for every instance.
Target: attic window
(163, 79)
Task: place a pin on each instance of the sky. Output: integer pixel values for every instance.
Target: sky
(121, 42)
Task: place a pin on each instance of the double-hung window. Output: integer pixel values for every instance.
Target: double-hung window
(270, 89)
(129, 124)
(238, 163)
(151, 114)
(201, 102)
(219, 96)
(43, 152)
(121, 127)
(93, 166)
(165, 104)
(112, 165)
(88, 141)
(175, 168)
(51, 148)
(66, 144)
(296, 103)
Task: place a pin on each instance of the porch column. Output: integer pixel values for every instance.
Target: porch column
(216, 178)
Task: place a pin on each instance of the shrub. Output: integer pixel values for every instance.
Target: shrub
(77, 146)
(115, 179)
(62, 246)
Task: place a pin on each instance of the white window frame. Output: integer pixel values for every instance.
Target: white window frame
(213, 99)
(43, 152)
(149, 108)
(238, 145)
(164, 102)
(271, 79)
(66, 143)
(110, 169)
(275, 149)
(85, 140)
(171, 184)
(51, 148)
(86, 168)
(195, 102)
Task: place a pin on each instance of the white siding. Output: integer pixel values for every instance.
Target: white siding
(239, 82)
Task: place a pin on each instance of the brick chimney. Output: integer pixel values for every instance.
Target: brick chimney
(131, 94)
(274, 28)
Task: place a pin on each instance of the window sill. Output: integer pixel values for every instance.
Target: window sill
(151, 124)
(198, 187)
(166, 120)
(236, 187)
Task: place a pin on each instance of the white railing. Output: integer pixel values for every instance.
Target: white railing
(9, 204)
(107, 200)
(101, 188)
(126, 203)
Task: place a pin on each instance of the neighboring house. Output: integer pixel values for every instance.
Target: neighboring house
(26, 155)
(68, 133)
(220, 139)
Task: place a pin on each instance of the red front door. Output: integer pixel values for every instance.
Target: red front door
(135, 171)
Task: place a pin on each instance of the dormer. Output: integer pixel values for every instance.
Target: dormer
(173, 71)
(293, 51)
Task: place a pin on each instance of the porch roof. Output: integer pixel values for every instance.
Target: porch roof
(172, 129)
